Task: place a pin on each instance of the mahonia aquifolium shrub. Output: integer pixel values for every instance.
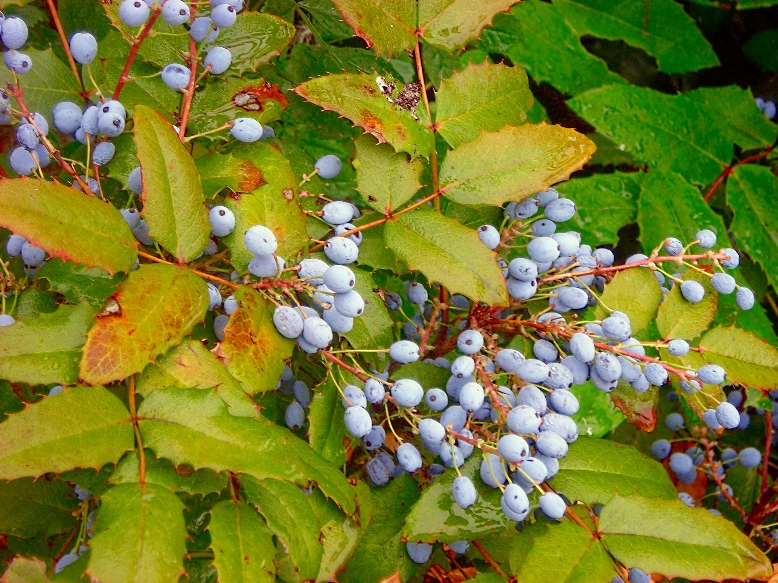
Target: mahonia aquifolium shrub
(229, 357)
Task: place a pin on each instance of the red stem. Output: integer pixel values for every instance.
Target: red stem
(125, 76)
(189, 95)
(355, 371)
(768, 419)
(729, 169)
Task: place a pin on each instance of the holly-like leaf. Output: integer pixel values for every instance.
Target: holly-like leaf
(636, 292)
(374, 328)
(252, 350)
(254, 39)
(158, 305)
(537, 37)
(447, 252)
(273, 204)
(668, 537)
(747, 359)
(82, 427)
(451, 24)
(165, 474)
(358, 98)
(242, 544)
(384, 179)
(480, 98)
(140, 536)
(388, 27)
(596, 470)
(327, 433)
(662, 29)
(173, 201)
(78, 283)
(36, 507)
(47, 348)
(645, 121)
(512, 163)
(68, 224)
(535, 556)
(23, 570)
(752, 193)
(679, 318)
(193, 426)
(192, 366)
(221, 171)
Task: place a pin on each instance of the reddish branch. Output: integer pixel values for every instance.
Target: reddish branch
(768, 419)
(189, 94)
(353, 370)
(64, 39)
(125, 76)
(202, 274)
(729, 169)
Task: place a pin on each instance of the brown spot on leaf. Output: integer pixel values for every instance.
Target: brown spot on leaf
(250, 177)
(254, 98)
(112, 308)
(288, 194)
(409, 97)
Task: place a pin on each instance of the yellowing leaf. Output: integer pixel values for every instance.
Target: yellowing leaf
(678, 318)
(747, 359)
(23, 570)
(384, 179)
(450, 24)
(635, 292)
(158, 306)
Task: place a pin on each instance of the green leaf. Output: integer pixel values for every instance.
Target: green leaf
(254, 39)
(446, 252)
(384, 179)
(173, 201)
(668, 537)
(647, 123)
(140, 536)
(680, 215)
(512, 163)
(36, 507)
(535, 556)
(358, 98)
(23, 570)
(68, 224)
(747, 359)
(193, 426)
(435, 517)
(374, 328)
(536, 36)
(596, 415)
(425, 373)
(33, 302)
(481, 98)
(640, 409)
(596, 470)
(273, 204)
(147, 323)
(242, 544)
(752, 194)
(257, 365)
(220, 171)
(636, 292)
(78, 283)
(606, 202)
(164, 45)
(327, 433)
(80, 428)
(47, 348)
(678, 318)
(165, 474)
(660, 28)
(451, 24)
(760, 48)
(388, 27)
(192, 366)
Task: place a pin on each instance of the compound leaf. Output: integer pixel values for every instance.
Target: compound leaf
(748, 360)
(254, 39)
(447, 252)
(668, 537)
(147, 323)
(384, 179)
(140, 536)
(242, 544)
(173, 201)
(36, 507)
(512, 163)
(636, 292)
(68, 224)
(82, 427)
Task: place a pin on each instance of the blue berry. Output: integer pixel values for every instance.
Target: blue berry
(223, 16)
(552, 505)
(177, 77)
(14, 33)
(733, 258)
(660, 449)
(712, 374)
(419, 552)
(222, 221)
(672, 246)
(678, 347)
(83, 46)
(294, 416)
(515, 503)
(357, 421)
(706, 238)
(134, 12)
(103, 153)
(674, 421)
(403, 351)
(407, 393)
(219, 59)
(744, 298)
(329, 166)
(464, 492)
(17, 62)
(489, 236)
(260, 241)
(470, 341)
(341, 250)
(543, 249)
(201, 27)
(750, 457)
(727, 416)
(111, 125)
(692, 291)
(175, 12)
(436, 399)
(552, 445)
(408, 457)
(288, 322)
(560, 210)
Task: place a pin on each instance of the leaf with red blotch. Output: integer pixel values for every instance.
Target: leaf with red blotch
(639, 408)
(228, 171)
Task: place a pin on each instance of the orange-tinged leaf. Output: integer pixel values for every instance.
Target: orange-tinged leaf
(67, 223)
(158, 306)
(253, 351)
(23, 570)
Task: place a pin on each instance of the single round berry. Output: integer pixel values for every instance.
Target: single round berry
(201, 27)
(17, 62)
(463, 492)
(176, 76)
(83, 46)
(489, 236)
(407, 393)
(692, 291)
(103, 153)
(553, 505)
(260, 241)
(175, 12)
(744, 298)
(134, 12)
(287, 321)
(341, 250)
(14, 33)
(223, 16)
(222, 221)
(329, 166)
(218, 59)
(111, 125)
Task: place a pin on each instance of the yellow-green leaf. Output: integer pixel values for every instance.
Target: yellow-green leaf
(384, 179)
(450, 24)
(678, 318)
(242, 544)
(23, 570)
(747, 359)
(636, 292)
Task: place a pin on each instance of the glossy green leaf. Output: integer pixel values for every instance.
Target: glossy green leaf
(596, 470)
(446, 252)
(36, 507)
(481, 98)
(254, 39)
(327, 433)
(146, 324)
(645, 121)
(33, 302)
(140, 536)
(23, 570)
(388, 27)
(219, 171)
(512, 163)
(340, 534)
(384, 179)
(426, 374)
(435, 517)
(242, 544)
(165, 474)
(82, 427)
(661, 28)
(668, 537)
(536, 557)
(273, 204)
(358, 98)
(173, 201)
(78, 283)
(256, 364)
(636, 292)
(46, 348)
(747, 359)
(678, 318)
(68, 224)
(752, 194)
(374, 328)
(193, 426)
(536, 36)
(192, 366)
(606, 202)
(597, 416)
